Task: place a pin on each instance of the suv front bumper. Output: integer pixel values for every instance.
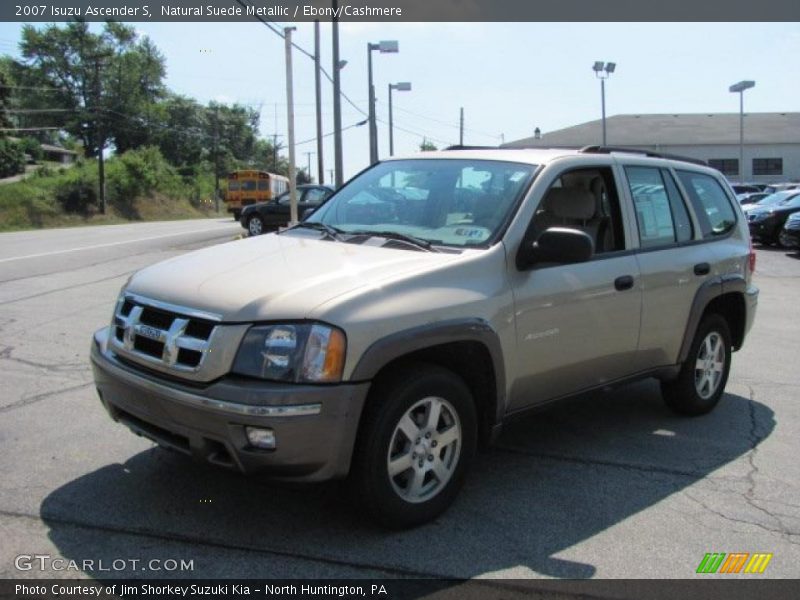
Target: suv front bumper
(314, 425)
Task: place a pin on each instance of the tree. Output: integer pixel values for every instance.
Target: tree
(427, 146)
(105, 83)
(182, 132)
(5, 96)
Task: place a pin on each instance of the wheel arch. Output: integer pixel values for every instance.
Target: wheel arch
(470, 348)
(723, 296)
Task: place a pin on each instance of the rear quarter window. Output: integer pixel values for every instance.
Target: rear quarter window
(710, 202)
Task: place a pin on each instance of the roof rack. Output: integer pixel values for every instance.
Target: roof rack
(459, 147)
(650, 153)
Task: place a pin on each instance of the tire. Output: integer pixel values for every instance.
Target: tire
(428, 460)
(701, 382)
(237, 215)
(255, 225)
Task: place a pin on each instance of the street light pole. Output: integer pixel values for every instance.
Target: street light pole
(386, 46)
(337, 101)
(373, 151)
(318, 94)
(403, 86)
(740, 88)
(287, 34)
(602, 71)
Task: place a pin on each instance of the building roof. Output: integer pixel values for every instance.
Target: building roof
(675, 130)
(57, 149)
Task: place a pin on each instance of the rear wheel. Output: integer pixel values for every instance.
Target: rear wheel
(415, 445)
(255, 225)
(237, 215)
(703, 376)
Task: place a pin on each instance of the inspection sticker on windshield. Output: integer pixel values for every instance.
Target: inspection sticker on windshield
(470, 232)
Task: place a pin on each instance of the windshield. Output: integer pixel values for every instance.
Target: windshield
(776, 198)
(450, 202)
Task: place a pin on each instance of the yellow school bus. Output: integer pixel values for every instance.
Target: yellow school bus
(249, 186)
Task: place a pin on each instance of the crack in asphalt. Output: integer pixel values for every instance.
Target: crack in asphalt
(39, 397)
(749, 495)
(5, 354)
(217, 543)
(327, 560)
(607, 463)
(754, 439)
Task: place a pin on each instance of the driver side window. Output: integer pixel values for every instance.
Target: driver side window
(586, 200)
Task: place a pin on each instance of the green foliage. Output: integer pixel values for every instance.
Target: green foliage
(12, 158)
(427, 146)
(32, 147)
(139, 173)
(107, 82)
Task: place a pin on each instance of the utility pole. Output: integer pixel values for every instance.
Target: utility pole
(308, 160)
(216, 157)
(318, 90)
(100, 135)
(337, 101)
(461, 128)
(287, 34)
(331, 173)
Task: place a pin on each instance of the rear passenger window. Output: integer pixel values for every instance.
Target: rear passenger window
(660, 212)
(710, 202)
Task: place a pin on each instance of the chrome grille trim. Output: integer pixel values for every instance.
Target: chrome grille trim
(169, 348)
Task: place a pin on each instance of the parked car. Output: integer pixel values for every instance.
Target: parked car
(790, 235)
(771, 200)
(751, 198)
(430, 300)
(745, 188)
(269, 216)
(766, 222)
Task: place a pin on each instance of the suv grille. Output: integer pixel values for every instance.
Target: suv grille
(157, 335)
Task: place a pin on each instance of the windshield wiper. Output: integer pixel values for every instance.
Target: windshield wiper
(400, 237)
(333, 232)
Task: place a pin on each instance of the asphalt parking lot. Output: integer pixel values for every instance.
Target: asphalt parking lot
(607, 486)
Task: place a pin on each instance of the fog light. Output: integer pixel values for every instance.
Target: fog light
(260, 438)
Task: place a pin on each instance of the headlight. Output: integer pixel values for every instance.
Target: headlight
(302, 353)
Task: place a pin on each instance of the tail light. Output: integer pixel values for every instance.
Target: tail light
(752, 258)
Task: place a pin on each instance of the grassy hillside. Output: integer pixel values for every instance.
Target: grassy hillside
(140, 185)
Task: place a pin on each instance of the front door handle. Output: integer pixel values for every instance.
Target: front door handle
(623, 283)
(702, 269)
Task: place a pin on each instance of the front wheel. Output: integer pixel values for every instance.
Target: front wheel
(255, 226)
(703, 376)
(415, 445)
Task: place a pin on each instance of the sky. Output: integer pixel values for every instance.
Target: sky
(509, 77)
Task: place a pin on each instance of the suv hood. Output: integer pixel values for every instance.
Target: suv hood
(276, 276)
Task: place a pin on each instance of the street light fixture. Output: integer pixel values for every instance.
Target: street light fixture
(384, 47)
(740, 88)
(602, 71)
(403, 86)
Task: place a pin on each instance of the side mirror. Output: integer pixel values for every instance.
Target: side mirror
(307, 213)
(556, 245)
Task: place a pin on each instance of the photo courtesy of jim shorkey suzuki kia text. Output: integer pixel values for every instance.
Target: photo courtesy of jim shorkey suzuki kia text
(194, 589)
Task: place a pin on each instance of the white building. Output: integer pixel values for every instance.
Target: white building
(771, 140)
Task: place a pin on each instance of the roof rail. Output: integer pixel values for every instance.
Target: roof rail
(459, 147)
(610, 149)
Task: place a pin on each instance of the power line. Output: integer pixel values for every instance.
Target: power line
(277, 32)
(443, 122)
(314, 139)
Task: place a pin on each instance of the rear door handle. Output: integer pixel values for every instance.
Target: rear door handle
(702, 269)
(623, 283)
